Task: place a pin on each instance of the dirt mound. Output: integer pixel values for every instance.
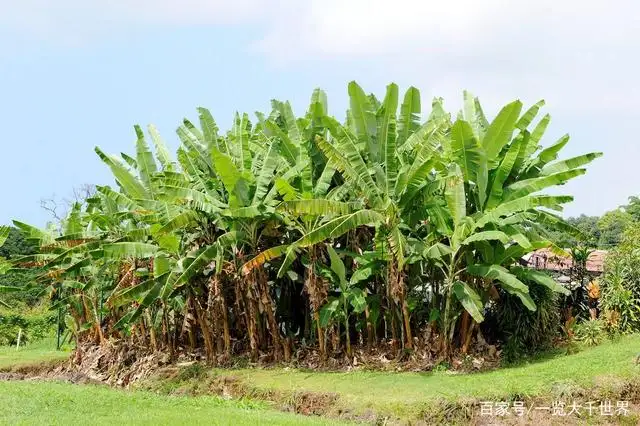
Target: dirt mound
(117, 364)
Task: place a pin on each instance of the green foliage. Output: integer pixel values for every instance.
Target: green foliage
(633, 208)
(591, 332)
(603, 232)
(240, 221)
(13, 244)
(523, 331)
(28, 295)
(36, 324)
(588, 226)
(16, 245)
(620, 284)
(612, 226)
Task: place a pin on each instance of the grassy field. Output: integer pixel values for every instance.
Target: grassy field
(406, 394)
(362, 395)
(58, 403)
(55, 403)
(34, 353)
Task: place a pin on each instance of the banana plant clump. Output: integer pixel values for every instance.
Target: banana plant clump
(289, 233)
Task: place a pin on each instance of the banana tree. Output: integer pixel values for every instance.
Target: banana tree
(386, 162)
(493, 201)
(350, 298)
(307, 190)
(165, 251)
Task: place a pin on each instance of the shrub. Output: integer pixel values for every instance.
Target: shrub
(620, 290)
(591, 332)
(35, 324)
(523, 331)
(569, 334)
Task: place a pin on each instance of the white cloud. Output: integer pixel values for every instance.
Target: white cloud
(363, 27)
(578, 54)
(573, 52)
(79, 21)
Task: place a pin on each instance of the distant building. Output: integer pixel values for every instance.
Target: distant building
(547, 260)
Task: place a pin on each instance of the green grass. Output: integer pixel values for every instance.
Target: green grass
(57, 403)
(406, 393)
(403, 395)
(33, 353)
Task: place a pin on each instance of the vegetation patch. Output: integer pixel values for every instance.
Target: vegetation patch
(34, 354)
(37, 402)
(311, 240)
(605, 372)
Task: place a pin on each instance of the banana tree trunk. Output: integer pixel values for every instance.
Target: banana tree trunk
(407, 323)
(370, 328)
(317, 296)
(222, 307)
(469, 336)
(269, 306)
(252, 318)
(206, 333)
(398, 294)
(346, 328)
(152, 331)
(445, 346)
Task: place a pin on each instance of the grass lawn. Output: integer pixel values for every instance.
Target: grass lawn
(407, 393)
(33, 353)
(405, 396)
(57, 403)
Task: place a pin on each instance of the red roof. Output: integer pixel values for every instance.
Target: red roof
(546, 259)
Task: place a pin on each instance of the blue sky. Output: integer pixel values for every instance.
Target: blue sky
(76, 74)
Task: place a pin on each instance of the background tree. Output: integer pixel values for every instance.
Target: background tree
(611, 227)
(633, 208)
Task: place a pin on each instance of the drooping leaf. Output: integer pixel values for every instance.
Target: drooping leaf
(541, 278)
(487, 236)
(398, 244)
(263, 257)
(499, 273)
(358, 300)
(327, 311)
(129, 249)
(337, 266)
(469, 299)
(317, 207)
(205, 257)
(340, 225)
